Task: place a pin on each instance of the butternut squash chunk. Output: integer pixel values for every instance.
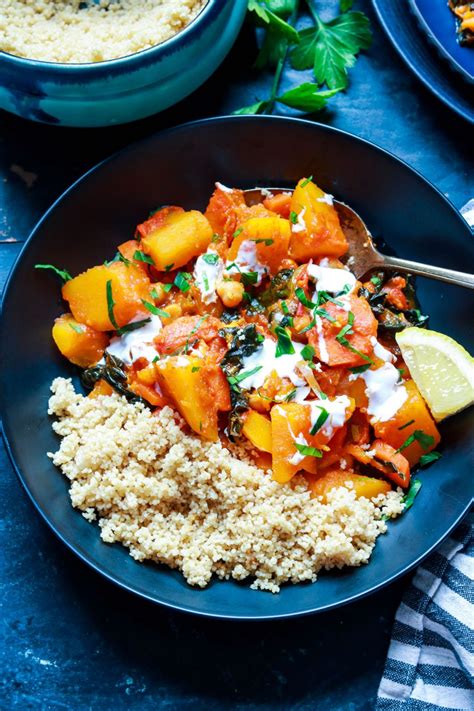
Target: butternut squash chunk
(365, 486)
(322, 235)
(181, 237)
(288, 421)
(413, 415)
(87, 295)
(80, 344)
(258, 430)
(271, 236)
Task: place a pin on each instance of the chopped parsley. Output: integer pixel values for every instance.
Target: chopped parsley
(75, 327)
(376, 281)
(249, 278)
(167, 287)
(322, 417)
(237, 232)
(290, 396)
(425, 441)
(111, 304)
(182, 281)
(407, 424)
(234, 379)
(169, 267)
(140, 256)
(301, 296)
(293, 217)
(284, 345)
(306, 181)
(195, 368)
(411, 494)
(154, 309)
(360, 369)
(210, 258)
(308, 352)
(62, 273)
(308, 451)
(267, 242)
(426, 459)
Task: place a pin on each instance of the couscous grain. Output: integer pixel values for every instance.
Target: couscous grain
(83, 31)
(192, 505)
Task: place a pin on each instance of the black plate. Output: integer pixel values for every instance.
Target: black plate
(423, 59)
(180, 167)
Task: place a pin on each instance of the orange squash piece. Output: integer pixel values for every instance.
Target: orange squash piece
(288, 421)
(186, 330)
(79, 343)
(281, 204)
(222, 211)
(385, 459)
(157, 220)
(365, 486)
(258, 430)
(87, 295)
(271, 236)
(415, 414)
(197, 390)
(181, 236)
(323, 236)
(364, 328)
(101, 387)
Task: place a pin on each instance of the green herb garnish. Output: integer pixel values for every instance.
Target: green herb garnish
(425, 441)
(75, 327)
(210, 258)
(293, 217)
(140, 256)
(111, 304)
(169, 267)
(237, 232)
(306, 181)
(284, 345)
(322, 417)
(307, 353)
(182, 281)
(407, 424)
(234, 379)
(301, 296)
(426, 459)
(167, 287)
(308, 451)
(154, 309)
(195, 368)
(360, 369)
(62, 273)
(413, 490)
(267, 242)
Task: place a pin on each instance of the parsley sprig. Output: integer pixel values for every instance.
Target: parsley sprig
(328, 48)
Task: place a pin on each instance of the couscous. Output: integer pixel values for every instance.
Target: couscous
(82, 31)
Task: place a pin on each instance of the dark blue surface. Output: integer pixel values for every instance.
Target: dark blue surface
(439, 24)
(422, 57)
(72, 640)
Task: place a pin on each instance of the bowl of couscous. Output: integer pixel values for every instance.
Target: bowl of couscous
(89, 63)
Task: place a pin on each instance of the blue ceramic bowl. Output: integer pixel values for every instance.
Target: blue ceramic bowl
(127, 88)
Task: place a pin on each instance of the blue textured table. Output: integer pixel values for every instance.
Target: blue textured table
(71, 640)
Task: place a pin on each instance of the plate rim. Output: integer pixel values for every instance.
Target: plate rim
(446, 54)
(377, 6)
(4, 407)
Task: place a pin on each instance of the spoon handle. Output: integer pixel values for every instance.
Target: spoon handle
(440, 273)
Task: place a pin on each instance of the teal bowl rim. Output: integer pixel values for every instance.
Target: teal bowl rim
(193, 30)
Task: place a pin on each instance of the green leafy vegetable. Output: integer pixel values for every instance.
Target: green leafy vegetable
(307, 353)
(360, 369)
(302, 298)
(140, 256)
(167, 287)
(284, 345)
(330, 48)
(257, 108)
(62, 273)
(266, 18)
(308, 451)
(411, 494)
(169, 267)
(345, 5)
(111, 304)
(233, 379)
(113, 371)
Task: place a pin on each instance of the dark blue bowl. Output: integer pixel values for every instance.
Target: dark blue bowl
(124, 89)
(180, 166)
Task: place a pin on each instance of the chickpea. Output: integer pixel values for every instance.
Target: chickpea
(231, 293)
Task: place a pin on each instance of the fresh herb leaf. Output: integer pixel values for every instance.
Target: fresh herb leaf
(290, 396)
(306, 181)
(154, 309)
(412, 492)
(114, 372)
(257, 108)
(345, 5)
(111, 304)
(154, 293)
(195, 368)
(182, 281)
(308, 451)
(301, 296)
(307, 97)
(169, 267)
(237, 232)
(376, 281)
(140, 256)
(156, 359)
(167, 287)
(330, 48)
(266, 18)
(407, 424)
(133, 326)
(233, 379)
(62, 273)
(118, 258)
(310, 325)
(284, 345)
(426, 459)
(210, 258)
(287, 321)
(350, 318)
(249, 278)
(322, 417)
(360, 369)
(267, 242)
(75, 327)
(307, 353)
(293, 217)
(425, 441)
(284, 307)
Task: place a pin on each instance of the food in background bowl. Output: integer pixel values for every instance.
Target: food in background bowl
(250, 412)
(82, 31)
(464, 12)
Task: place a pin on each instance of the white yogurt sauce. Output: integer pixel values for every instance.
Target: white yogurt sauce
(329, 279)
(385, 393)
(297, 457)
(381, 352)
(323, 351)
(337, 413)
(136, 344)
(224, 188)
(207, 275)
(264, 359)
(300, 225)
(327, 198)
(247, 261)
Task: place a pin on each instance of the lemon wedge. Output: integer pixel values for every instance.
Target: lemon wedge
(441, 368)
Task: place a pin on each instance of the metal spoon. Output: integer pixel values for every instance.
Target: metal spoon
(362, 256)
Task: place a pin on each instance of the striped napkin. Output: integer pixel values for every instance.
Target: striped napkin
(430, 663)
